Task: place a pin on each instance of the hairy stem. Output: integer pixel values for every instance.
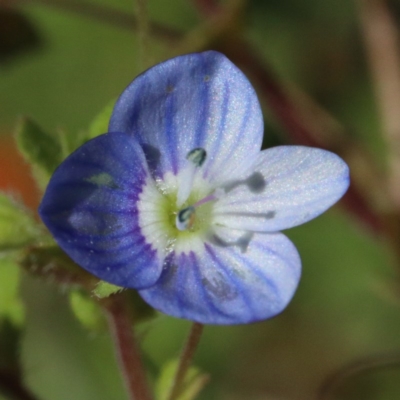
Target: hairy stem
(127, 351)
(185, 359)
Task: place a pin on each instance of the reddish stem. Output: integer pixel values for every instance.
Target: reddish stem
(127, 351)
(186, 359)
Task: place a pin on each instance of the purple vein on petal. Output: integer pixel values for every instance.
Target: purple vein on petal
(203, 113)
(223, 267)
(170, 128)
(222, 122)
(204, 293)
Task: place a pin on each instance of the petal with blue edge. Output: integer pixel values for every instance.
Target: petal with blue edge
(90, 207)
(288, 186)
(198, 100)
(228, 284)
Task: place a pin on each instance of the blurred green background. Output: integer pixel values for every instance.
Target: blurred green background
(346, 307)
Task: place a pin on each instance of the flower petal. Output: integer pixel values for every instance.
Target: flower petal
(198, 100)
(289, 185)
(226, 284)
(90, 207)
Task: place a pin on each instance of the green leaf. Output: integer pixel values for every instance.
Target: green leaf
(69, 142)
(87, 310)
(11, 306)
(17, 226)
(193, 383)
(100, 123)
(141, 311)
(10, 346)
(105, 289)
(41, 150)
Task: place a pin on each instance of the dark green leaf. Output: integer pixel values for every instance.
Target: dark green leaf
(17, 34)
(41, 150)
(11, 306)
(100, 123)
(142, 311)
(10, 336)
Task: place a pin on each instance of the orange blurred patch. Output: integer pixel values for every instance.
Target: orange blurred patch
(15, 174)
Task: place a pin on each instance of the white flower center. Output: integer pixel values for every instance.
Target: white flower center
(186, 217)
(175, 213)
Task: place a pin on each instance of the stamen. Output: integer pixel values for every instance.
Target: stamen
(185, 218)
(216, 195)
(196, 158)
(206, 199)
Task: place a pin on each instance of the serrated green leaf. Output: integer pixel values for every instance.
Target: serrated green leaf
(70, 142)
(193, 383)
(141, 311)
(100, 123)
(105, 289)
(40, 149)
(86, 310)
(17, 226)
(11, 306)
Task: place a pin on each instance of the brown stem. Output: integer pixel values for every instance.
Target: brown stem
(11, 386)
(185, 359)
(127, 351)
(380, 36)
(334, 381)
(103, 14)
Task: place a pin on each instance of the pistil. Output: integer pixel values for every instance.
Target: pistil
(186, 218)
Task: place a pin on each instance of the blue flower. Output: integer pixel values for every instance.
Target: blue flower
(178, 201)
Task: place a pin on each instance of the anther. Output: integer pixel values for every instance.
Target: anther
(197, 156)
(185, 218)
